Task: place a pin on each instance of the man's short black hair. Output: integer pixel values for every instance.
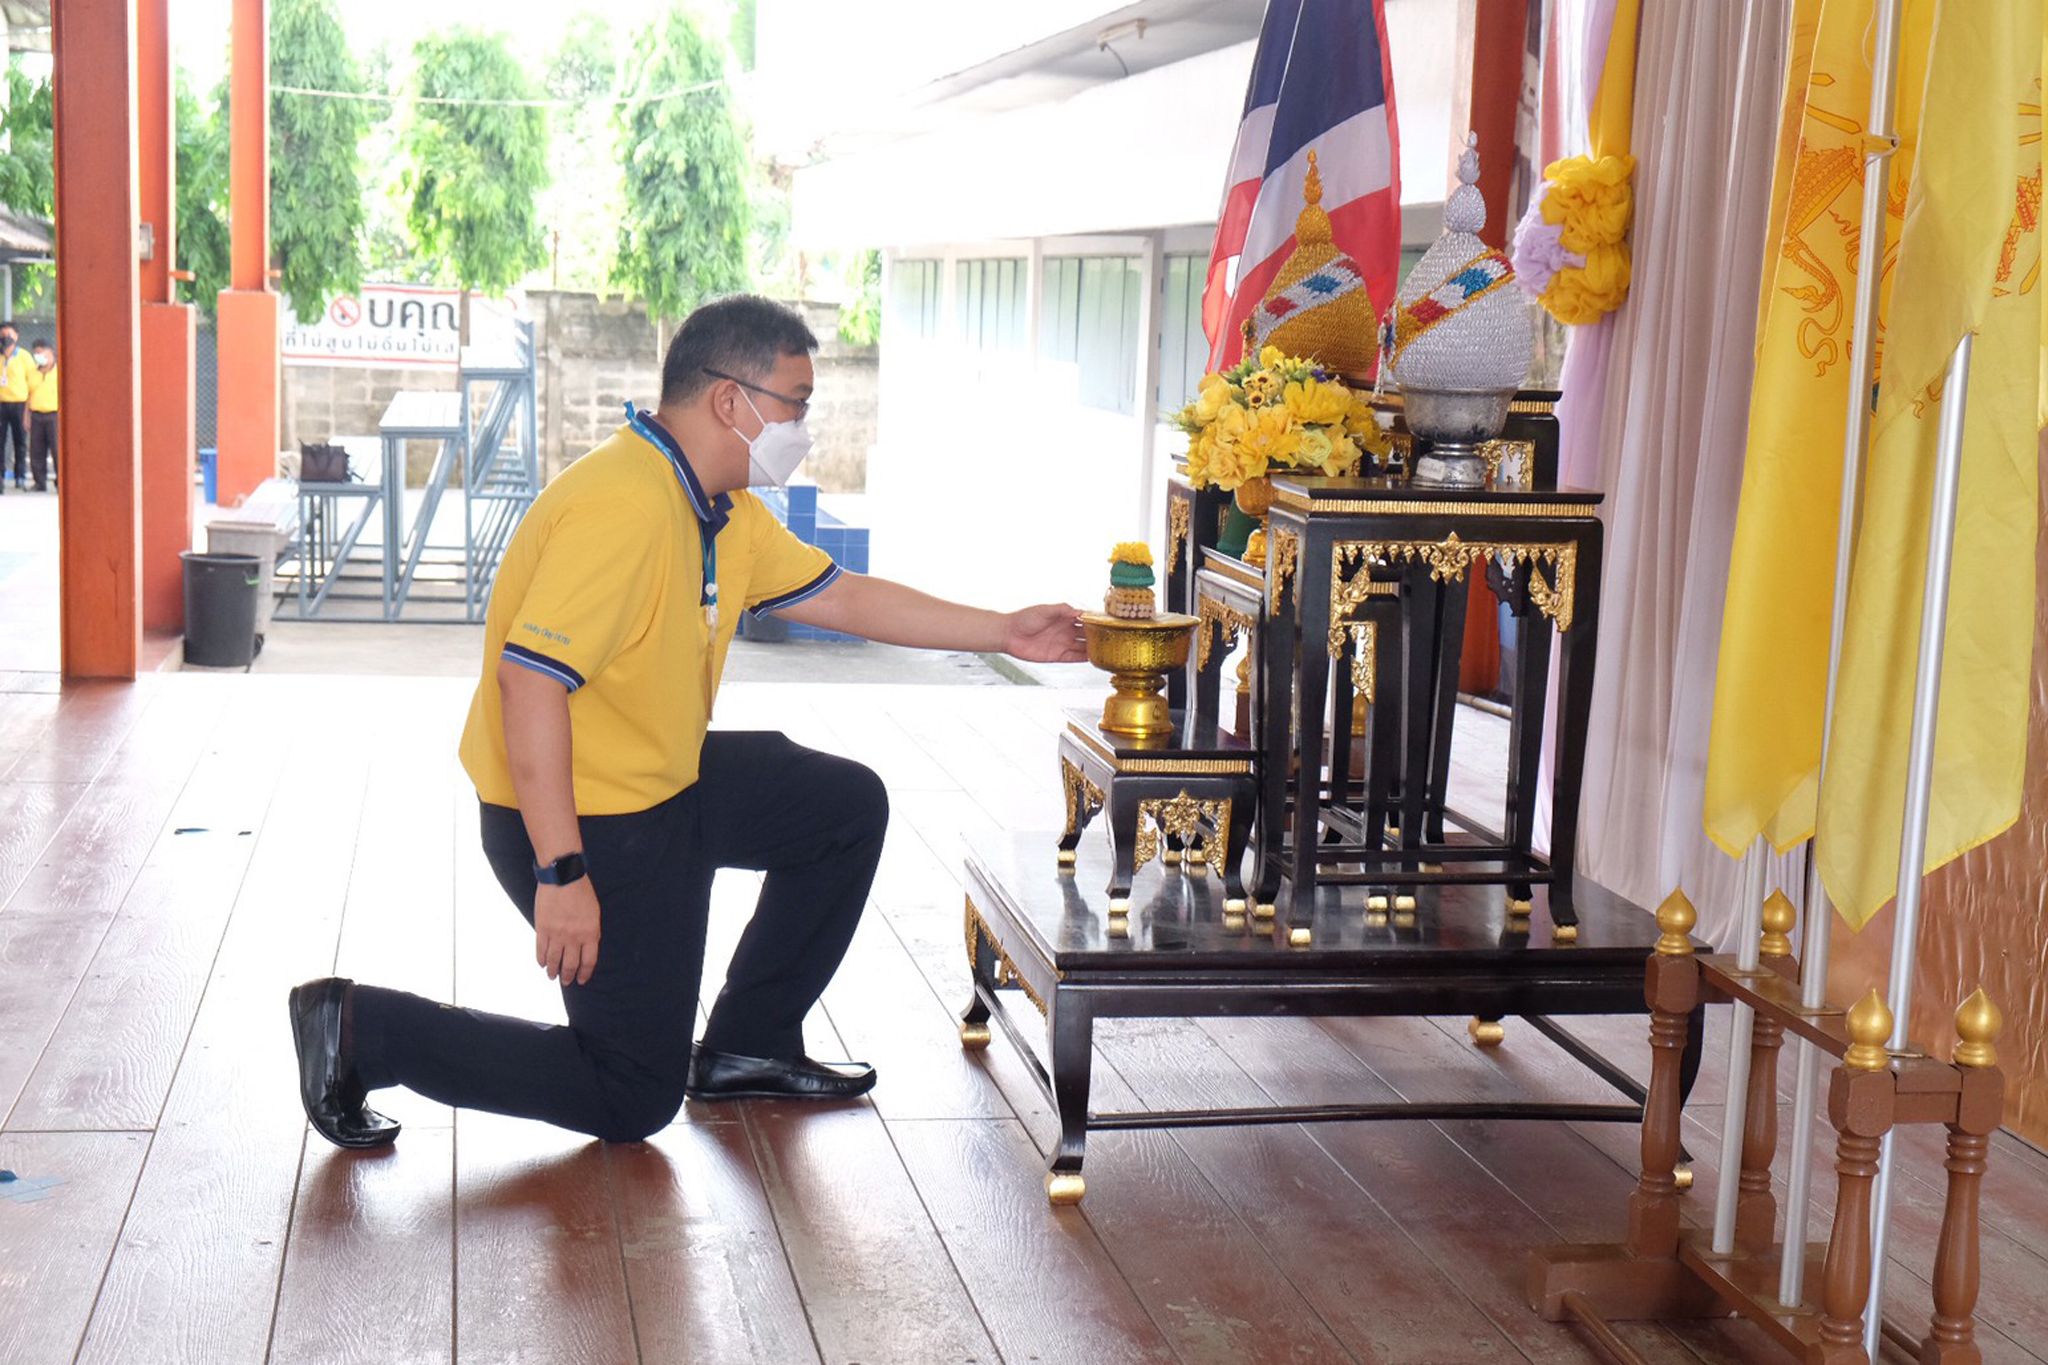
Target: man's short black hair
(42, 344)
(743, 335)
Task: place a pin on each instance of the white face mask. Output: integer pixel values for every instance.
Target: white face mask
(774, 454)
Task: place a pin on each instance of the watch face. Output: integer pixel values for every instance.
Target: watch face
(560, 872)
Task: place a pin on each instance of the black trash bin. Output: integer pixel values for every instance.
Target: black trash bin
(220, 608)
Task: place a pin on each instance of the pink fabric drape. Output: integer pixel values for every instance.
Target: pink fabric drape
(1655, 413)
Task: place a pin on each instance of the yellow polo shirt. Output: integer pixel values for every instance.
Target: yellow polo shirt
(17, 376)
(602, 588)
(42, 395)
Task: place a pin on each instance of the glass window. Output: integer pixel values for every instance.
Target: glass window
(914, 297)
(1090, 319)
(1183, 347)
(991, 304)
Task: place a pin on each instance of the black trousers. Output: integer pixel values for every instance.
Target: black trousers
(813, 822)
(14, 433)
(42, 445)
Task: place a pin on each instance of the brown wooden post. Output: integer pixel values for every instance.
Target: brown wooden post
(1860, 1100)
(1952, 1337)
(1756, 1208)
(1672, 989)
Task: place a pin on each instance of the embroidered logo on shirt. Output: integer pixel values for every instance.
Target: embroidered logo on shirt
(545, 633)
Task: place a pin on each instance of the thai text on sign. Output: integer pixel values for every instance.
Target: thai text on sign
(415, 326)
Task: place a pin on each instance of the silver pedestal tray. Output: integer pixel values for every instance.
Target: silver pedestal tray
(1456, 422)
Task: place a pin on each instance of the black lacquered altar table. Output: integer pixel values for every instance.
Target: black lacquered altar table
(1335, 546)
(1042, 928)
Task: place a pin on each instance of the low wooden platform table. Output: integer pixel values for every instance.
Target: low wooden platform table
(1453, 949)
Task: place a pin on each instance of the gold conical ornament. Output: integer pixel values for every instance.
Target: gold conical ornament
(1977, 1024)
(1777, 919)
(1675, 919)
(1870, 1027)
(1318, 305)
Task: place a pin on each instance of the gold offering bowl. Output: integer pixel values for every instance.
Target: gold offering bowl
(1137, 655)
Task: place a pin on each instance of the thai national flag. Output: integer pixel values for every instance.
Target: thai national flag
(1321, 82)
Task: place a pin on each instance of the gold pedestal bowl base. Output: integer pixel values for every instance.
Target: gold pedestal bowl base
(1137, 655)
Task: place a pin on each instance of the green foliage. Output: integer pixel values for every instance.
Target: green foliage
(477, 169)
(316, 193)
(740, 33)
(585, 66)
(860, 317)
(684, 236)
(202, 208)
(28, 182)
(581, 210)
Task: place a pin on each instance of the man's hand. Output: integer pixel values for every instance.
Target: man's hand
(1047, 634)
(565, 930)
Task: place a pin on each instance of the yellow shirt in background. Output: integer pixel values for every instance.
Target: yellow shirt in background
(17, 376)
(42, 394)
(602, 589)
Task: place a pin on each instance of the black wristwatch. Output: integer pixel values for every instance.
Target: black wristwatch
(562, 871)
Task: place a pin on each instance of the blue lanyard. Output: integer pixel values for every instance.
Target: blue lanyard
(708, 598)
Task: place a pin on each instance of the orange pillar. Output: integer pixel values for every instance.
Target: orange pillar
(169, 419)
(99, 339)
(251, 315)
(1498, 43)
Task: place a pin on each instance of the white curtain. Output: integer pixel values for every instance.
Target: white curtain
(1658, 419)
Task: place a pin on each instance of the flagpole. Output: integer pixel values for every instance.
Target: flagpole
(1881, 142)
(1741, 1026)
(1941, 548)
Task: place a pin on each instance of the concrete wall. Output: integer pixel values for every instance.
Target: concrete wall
(595, 355)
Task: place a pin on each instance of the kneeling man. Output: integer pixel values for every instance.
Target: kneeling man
(607, 806)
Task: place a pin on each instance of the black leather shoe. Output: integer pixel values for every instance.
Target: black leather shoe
(724, 1076)
(328, 1086)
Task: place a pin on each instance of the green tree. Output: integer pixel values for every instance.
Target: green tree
(581, 210)
(28, 181)
(28, 177)
(202, 152)
(477, 168)
(860, 317)
(585, 66)
(740, 33)
(316, 164)
(684, 236)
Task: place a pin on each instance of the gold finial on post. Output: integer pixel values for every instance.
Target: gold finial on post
(1777, 920)
(1870, 1028)
(1977, 1024)
(1675, 919)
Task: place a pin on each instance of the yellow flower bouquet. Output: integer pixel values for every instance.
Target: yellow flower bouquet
(1276, 412)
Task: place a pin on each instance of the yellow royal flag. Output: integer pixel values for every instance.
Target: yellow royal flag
(1969, 261)
(1763, 760)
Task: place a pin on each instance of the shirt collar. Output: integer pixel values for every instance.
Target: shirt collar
(713, 512)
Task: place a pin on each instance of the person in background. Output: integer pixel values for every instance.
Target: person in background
(42, 414)
(17, 373)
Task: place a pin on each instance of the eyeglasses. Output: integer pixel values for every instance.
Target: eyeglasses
(801, 405)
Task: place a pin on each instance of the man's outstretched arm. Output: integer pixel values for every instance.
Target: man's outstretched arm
(889, 612)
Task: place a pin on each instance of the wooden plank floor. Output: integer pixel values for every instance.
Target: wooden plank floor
(175, 854)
